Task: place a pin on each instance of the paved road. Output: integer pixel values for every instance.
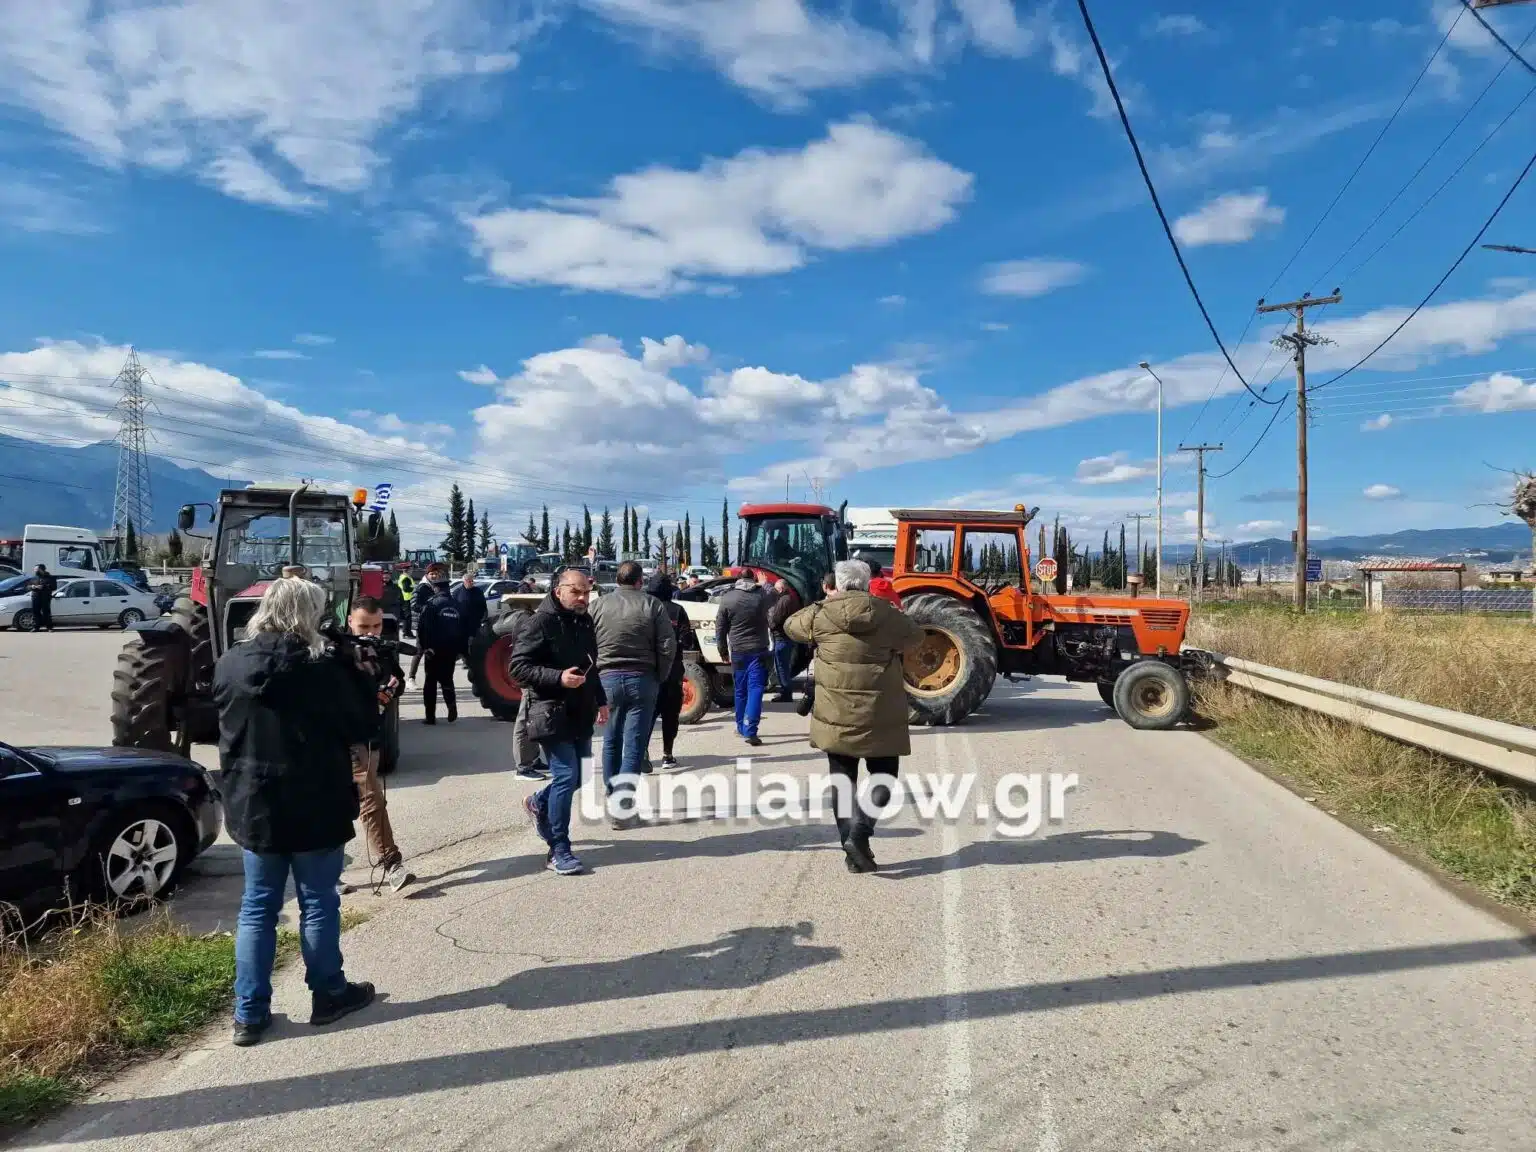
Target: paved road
(1193, 958)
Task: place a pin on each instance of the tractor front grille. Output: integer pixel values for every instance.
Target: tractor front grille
(1162, 619)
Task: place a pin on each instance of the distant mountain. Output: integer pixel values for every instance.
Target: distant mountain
(75, 486)
(1498, 544)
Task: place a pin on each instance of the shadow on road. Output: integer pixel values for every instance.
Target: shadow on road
(304, 1091)
(1064, 848)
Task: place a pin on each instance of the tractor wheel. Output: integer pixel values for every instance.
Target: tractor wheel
(490, 674)
(192, 618)
(1107, 692)
(148, 677)
(389, 739)
(695, 693)
(722, 689)
(1151, 696)
(951, 673)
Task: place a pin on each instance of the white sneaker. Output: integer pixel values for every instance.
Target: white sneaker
(398, 877)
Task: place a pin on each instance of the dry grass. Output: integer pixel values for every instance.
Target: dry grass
(1470, 825)
(1481, 666)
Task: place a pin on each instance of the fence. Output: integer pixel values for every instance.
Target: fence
(1457, 600)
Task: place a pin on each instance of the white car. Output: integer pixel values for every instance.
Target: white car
(79, 603)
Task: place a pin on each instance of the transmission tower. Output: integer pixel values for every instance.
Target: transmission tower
(131, 501)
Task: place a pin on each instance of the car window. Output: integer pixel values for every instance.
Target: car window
(79, 590)
(111, 588)
(13, 765)
(77, 558)
(12, 585)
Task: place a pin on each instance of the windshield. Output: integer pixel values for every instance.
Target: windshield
(253, 546)
(794, 545)
(12, 585)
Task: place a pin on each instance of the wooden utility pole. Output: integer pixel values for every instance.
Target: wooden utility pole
(1299, 341)
(1197, 569)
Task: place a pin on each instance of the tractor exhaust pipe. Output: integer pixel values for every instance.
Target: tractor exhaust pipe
(293, 524)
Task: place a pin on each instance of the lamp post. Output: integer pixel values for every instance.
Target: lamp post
(1147, 368)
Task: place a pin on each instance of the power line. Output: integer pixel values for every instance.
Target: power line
(131, 499)
(1369, 152)
(1254, 447)
(1494, 32)
(1141, 163)
(1441, 283)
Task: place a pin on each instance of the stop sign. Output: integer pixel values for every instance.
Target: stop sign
(1045, 569)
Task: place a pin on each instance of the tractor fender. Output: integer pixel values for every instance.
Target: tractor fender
(162, 630)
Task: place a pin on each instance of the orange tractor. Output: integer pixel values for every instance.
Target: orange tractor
(965, 577)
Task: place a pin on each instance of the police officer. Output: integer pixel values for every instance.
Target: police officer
(407, 588)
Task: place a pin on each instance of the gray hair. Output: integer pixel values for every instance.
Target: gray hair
(291, 607)
(852, 576)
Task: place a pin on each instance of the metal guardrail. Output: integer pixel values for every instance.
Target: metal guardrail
(1504, 749)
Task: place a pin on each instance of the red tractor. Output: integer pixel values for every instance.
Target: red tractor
(161, 690)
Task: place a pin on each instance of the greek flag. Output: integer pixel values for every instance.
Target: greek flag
(381, 494)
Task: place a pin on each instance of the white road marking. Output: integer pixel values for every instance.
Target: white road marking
(957, 1056)
(1050, 1139)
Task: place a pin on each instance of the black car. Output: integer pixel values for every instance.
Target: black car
(116, 825)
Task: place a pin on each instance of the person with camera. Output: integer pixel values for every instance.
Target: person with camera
(366, 625)
(555, 659)
(291, 708)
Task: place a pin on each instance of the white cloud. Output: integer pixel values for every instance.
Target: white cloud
(893, 301)
(1177, 24)
(1115, 468)
(425, 432)
(1382, 492)
(261, 99)
(1377, 423)
(313, 339)
(993, 326)
(1260, 528)
(1500, 392)
(673, 352)
(664, 230)
(481, 375)
(1029, 278)
(280, 354)
(39, 202)
(1231, 219)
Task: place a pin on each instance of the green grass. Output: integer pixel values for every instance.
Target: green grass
(24, 1096)
(168, 986)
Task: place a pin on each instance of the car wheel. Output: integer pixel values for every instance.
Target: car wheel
(129, 616)
(138, 857)
(23, 621)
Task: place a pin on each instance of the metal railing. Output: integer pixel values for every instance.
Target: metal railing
(1507, 750)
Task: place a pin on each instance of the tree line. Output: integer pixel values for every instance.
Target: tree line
(633, 537)
(1110, 566)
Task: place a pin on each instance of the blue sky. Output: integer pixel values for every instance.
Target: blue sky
(667, 250)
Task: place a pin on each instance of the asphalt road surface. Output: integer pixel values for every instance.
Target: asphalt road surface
(1191, 958)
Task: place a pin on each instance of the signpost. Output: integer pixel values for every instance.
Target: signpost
(1314, 569)
(1045, 569)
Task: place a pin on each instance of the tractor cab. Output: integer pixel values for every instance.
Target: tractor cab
(798, 542)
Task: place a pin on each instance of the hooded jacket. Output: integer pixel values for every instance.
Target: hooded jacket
(741, 623)
(860, 704)
(553, 639)
(682, 628)
(287, 721)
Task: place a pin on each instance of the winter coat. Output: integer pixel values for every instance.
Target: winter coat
(633, 634)
(287, 722)
(424, 594)
(472, 609)
(741, 624)
(441, 628)
(682, 628)
(861, 698)
(42, 588)
(553, 639)
(785, 604)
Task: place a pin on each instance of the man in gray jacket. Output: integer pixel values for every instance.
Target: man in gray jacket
(741, 633)
(635, 650)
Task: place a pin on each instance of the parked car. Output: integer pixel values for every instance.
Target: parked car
(79, 603)
(13, 585)
(114, 825)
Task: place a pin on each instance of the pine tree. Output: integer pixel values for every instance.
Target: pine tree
(687, 551)
(531, 534)
(130, 543)
(1121, 575)
(711, 552)
(453, 543)
(645, 539)
(741, 544)
(625, 541)
(393, 536)
(634, 531)
(544, 531)
(684, 560)
(173, 547)
(605, 536)
(487, 533)
(469, 531)
(565, 542)
(586, 529)
(725, 531)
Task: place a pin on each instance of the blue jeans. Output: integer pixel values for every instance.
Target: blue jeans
(564, 758)
(784, 664)
(315, 878)
(631, 708)
(749, 676)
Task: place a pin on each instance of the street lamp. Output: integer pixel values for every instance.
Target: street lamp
(1147, 368)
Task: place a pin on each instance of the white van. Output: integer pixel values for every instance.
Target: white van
(66, 552)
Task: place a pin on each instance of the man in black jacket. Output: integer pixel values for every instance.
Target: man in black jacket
(741, 633)
(470, 598)
(442, 640)
(42, 587)
(555, 659)
(290, 710)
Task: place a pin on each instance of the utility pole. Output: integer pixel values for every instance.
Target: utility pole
(1147, 368)
(131, 503)
(1197, 569)
(1299, 341)
(1139, 517)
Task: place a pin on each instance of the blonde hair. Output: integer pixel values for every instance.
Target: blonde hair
(291, 607)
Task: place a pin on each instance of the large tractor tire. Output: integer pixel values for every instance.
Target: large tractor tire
(1152, 696)
(695, 693)
(490, 674)
(951, 673)
(152, 675)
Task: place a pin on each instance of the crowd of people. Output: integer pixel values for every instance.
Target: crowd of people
(301, 709)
